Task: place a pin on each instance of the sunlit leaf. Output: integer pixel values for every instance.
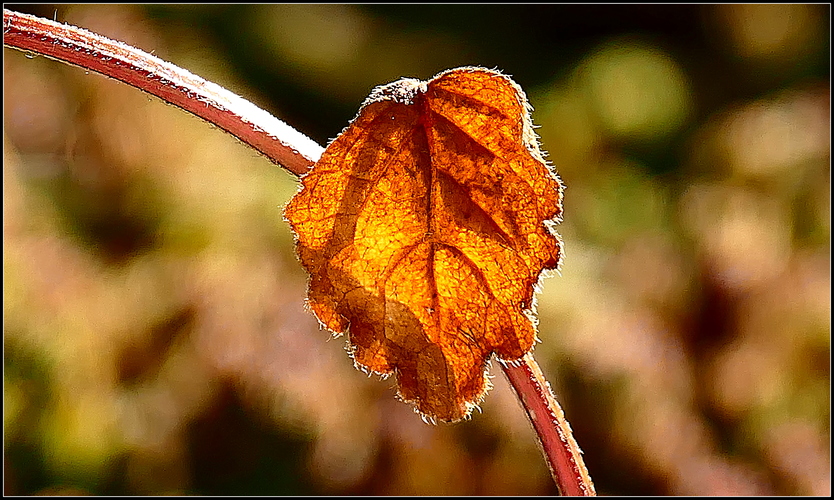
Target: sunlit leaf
(425, 229)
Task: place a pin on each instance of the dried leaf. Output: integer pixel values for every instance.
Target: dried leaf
(425, 228)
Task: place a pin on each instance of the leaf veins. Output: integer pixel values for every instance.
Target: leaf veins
(424, 230)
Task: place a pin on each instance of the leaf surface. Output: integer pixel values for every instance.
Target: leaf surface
(425, 227)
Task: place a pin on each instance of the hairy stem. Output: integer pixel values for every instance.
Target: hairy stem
(275, 139)
(555, 436)
(289, 148)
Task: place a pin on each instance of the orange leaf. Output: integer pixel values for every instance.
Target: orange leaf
(424, 229)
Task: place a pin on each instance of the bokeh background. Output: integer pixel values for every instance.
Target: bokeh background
(155, 336)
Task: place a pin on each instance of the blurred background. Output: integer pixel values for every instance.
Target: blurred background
(155, 336)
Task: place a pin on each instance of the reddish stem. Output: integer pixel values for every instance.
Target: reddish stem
(555, 437)
(272, 137)
(295, 152)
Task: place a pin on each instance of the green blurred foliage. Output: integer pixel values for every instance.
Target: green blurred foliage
(155, 336)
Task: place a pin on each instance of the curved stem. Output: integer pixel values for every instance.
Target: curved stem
(278, 141)
(289, 148)
(555, 437)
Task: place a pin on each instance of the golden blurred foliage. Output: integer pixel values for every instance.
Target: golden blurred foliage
(155, 333)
